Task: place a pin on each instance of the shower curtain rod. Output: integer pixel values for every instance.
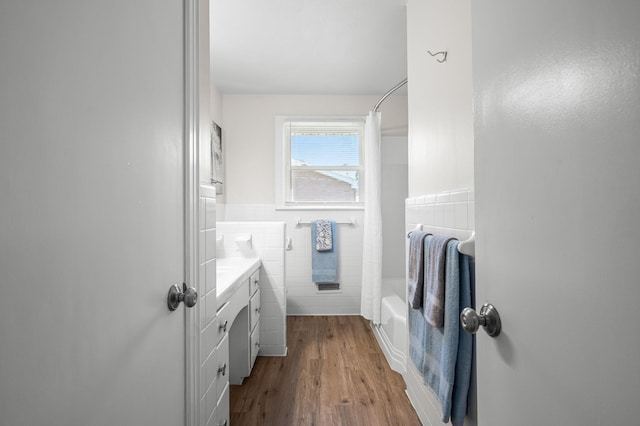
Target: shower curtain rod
(396, 87)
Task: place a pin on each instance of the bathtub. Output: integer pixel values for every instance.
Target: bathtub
(392, 332)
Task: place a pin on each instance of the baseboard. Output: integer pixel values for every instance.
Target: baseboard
(423, 400)
(272, 350)
(395, 358)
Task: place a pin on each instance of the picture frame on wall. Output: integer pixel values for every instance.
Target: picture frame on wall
(217, 158)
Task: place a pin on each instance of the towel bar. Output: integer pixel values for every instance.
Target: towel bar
(467, 246)
(351, 221)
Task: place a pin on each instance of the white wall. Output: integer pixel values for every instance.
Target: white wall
(249, 135)
(250, 192)
(440, 96)
(205, 87)
(441, 145)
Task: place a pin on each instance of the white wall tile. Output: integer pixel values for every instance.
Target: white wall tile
(210, 277)
(210, 213)
(202, 213)
(461, 215)
(210, 244)
(202, 256)
(450, 213)
(268, 244)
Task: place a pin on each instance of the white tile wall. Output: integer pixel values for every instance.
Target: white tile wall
(449, 213)
(267, 240)
(207, 304)
(302, 297)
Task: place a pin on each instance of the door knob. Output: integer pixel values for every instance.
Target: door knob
(488, 319)
(187, 295)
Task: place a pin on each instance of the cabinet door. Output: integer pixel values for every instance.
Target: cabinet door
(222, 412)
(255, 345)
(223, 365)
(254, 282)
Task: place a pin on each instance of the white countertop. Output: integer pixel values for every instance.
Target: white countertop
(231, 272)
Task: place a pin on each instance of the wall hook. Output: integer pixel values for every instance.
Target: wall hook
(443, 53)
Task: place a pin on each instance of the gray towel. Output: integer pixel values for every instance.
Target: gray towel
(433, 305)
(415, 268)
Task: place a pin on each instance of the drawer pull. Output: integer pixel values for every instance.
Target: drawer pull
(225, 423)
(223, 369)
(257, 283)
(223, 326)
(258, 309)
(258, 345)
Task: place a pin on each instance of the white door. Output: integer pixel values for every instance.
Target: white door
(557, 146)
(91, 217)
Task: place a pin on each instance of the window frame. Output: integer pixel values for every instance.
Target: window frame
(283, 166)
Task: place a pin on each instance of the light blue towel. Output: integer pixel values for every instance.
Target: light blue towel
(443, 355)
(434, 280)
(324, 264)
(465, 350)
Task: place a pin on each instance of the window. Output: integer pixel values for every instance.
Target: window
(319, 162)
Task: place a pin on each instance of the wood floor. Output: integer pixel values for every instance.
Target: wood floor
(334, 374)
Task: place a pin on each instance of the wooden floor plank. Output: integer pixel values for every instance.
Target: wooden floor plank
(334, 374)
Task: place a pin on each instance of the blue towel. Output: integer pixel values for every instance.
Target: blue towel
(324, 264)
(443, 355)
(417, 322)
(465, 351)
(434, 280)
(441, 345)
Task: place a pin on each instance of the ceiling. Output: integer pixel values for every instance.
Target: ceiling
(313, 47)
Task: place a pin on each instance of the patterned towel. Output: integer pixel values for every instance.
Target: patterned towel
(324, 264)
(324, 236)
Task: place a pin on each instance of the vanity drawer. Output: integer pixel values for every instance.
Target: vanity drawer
(255, 346)
(228, 312)
(254, 282)
(221, 417)
(222, 370)
(254, 309)
(209, 339)
(223, 321)
(209, 368)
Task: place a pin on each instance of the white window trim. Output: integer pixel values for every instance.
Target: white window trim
(282, 161)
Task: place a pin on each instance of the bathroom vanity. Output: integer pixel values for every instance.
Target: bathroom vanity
(238, 325)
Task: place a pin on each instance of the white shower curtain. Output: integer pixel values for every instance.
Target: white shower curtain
(371, 295)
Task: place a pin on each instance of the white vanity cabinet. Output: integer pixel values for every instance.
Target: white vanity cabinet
(237, 328)
(254, 315)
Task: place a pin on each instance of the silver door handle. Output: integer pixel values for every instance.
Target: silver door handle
(176, 295)
(488, 319)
